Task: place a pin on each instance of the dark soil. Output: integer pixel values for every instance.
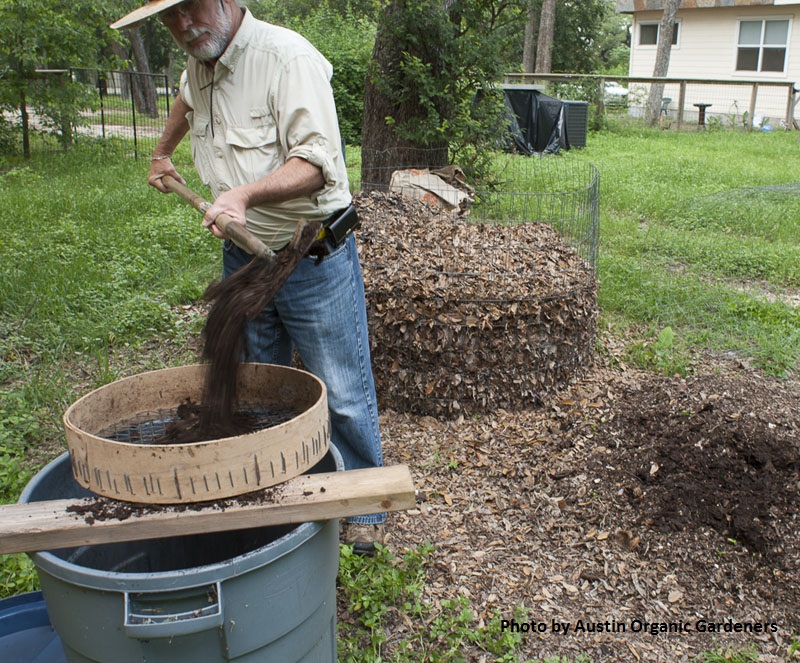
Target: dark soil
(623, 497)
(234, 301)
(704, 453)
(196, 422)
(104, 508)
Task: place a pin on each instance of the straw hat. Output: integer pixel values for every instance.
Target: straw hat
(150, 9)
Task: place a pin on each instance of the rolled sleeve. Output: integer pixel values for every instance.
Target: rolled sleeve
(307, 124)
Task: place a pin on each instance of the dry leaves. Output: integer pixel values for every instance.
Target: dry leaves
(471, 317)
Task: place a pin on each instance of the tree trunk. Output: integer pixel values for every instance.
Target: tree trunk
(382, 149)
(531, 33)
(119, 82)
(65, 126)
(547, 28)
(143, 84)
(171, 85)
(666, 30)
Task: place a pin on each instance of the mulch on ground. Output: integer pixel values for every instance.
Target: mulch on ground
(630, 498)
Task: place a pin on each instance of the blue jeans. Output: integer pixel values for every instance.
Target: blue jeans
(321, 311)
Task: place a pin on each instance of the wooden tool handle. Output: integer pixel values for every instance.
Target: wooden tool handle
(240, 235)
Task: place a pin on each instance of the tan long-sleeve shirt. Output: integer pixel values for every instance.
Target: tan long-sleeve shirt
(267, 99)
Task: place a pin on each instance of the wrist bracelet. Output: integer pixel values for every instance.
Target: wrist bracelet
(161, 158)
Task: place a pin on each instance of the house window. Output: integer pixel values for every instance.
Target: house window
(648, 34)
(762, 45)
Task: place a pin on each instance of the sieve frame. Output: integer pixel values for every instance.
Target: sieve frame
(199, 471)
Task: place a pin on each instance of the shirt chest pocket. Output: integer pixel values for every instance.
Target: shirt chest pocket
(248, 138)
(255, 149)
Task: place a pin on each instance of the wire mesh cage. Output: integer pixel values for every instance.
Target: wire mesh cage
(480, 296)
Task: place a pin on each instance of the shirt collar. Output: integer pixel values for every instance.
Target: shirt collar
(240, 40)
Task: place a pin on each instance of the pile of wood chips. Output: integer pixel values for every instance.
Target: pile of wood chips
(468, 317)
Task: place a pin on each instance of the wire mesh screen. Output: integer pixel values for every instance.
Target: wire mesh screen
(549, 189)
(160, 426)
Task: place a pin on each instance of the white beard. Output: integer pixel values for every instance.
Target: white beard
(213, 48)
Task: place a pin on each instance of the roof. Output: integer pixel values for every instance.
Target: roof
(631, 6)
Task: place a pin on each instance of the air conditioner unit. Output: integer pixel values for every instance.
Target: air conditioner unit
(576, 115)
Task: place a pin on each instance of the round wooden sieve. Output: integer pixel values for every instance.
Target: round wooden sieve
(199, 471)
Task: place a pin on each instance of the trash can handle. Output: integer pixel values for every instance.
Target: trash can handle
(189, 611)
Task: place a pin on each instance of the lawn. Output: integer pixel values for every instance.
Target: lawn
(700, 232)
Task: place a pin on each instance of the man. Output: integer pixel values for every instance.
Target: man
(257, 102)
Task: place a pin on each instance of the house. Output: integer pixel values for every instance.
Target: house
(736, 41)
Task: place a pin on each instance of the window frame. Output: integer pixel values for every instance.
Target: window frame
(737, 46)
(676, 35)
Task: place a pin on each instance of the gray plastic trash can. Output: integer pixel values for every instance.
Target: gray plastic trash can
(265, 594)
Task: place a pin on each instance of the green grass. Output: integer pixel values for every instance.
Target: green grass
(95, 266)
(700, 231)
(395, 607)
(94, 261)
(101, 259)
(741, 655)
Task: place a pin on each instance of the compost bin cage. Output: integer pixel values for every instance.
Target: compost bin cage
(482, 299)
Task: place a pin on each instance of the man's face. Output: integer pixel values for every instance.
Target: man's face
(200, 27)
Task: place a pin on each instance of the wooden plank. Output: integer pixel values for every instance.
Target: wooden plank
(49, 525)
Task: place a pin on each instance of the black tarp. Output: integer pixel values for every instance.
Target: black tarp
(537, 123)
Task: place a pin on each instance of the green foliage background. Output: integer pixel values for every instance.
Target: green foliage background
(448, 56)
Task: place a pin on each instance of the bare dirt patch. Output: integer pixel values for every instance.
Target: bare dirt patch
(630, 498)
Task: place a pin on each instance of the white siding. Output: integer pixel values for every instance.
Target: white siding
(707, 49)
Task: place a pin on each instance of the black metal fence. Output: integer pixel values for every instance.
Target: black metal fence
(65, 106)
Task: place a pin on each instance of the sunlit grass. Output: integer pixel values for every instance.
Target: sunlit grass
(701, 231)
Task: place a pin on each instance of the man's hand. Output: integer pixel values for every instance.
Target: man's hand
(158, 169)
(233, 203)
(161, 164)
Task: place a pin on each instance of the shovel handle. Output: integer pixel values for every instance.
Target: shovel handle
(240, 235)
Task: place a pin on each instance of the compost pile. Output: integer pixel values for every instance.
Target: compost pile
(469, 317)
(696, 454)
